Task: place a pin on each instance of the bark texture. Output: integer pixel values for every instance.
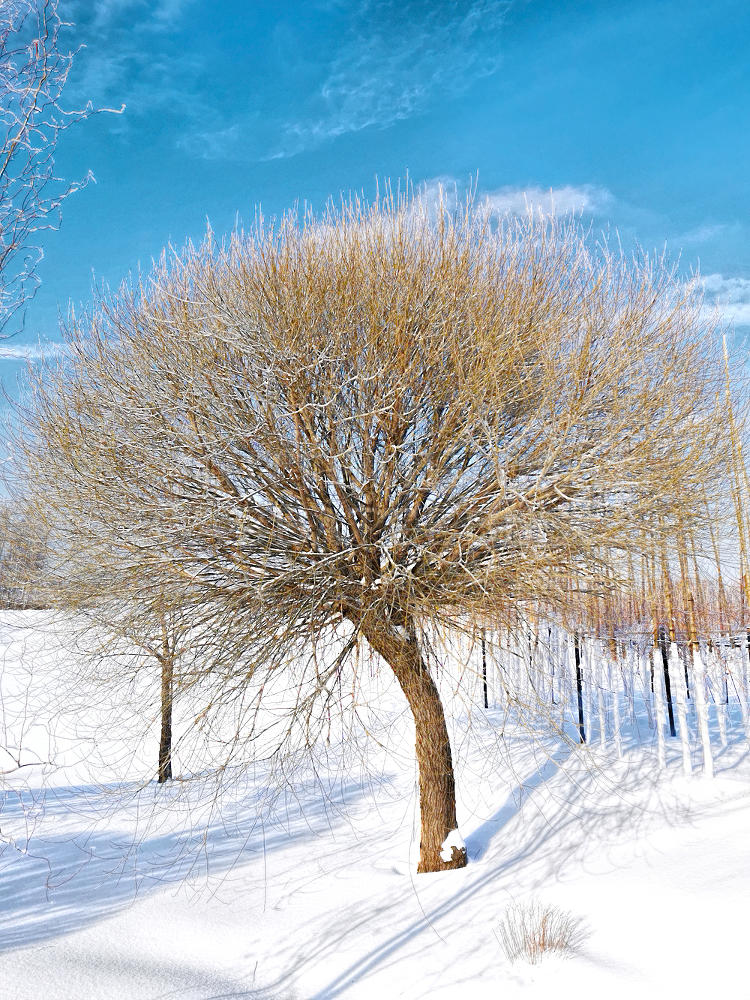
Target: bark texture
(437, 789)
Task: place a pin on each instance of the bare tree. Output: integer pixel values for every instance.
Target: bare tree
(160, 638)
(372, 425)
(134, 637)
(33, 73)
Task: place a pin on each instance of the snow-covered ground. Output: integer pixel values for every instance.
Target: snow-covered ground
(120, 890)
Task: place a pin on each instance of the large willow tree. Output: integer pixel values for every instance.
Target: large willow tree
(376, 421)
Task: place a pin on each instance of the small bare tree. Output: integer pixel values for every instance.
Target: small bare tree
(134, 637)
(144, 638)
(157, 637)
(373, 424)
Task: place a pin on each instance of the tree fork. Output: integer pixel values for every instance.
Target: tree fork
(437, 787)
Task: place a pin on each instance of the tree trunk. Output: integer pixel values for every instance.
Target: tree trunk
(165, 743)
(667, 683)
(579, 690)
(484, 670)
(438, 850)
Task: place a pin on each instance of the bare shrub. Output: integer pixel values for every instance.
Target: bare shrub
(531, 930)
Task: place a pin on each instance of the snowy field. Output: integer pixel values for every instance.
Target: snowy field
(112, 888)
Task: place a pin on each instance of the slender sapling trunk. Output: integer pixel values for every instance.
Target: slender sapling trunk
(167, 682)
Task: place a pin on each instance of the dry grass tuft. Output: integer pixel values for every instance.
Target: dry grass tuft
(531, 930)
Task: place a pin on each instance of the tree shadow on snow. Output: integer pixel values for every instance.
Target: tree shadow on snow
(57, 883)
(548, 822)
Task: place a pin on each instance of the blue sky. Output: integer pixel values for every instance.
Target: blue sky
(636, 114)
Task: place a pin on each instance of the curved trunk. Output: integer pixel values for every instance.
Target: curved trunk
(440, 846)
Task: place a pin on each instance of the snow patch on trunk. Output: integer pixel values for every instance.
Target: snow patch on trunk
(454, 839)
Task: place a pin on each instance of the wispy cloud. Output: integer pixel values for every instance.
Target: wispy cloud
(370, 65)
(107, 11)
(701, 234)
(142, 14)
(165, 13)
(731, 296)
(392, 60)
(218, 143)
(119, 66)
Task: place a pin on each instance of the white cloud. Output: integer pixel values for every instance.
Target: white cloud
(730, 295)
(569, 199)
(31, 352)
(566, 200)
